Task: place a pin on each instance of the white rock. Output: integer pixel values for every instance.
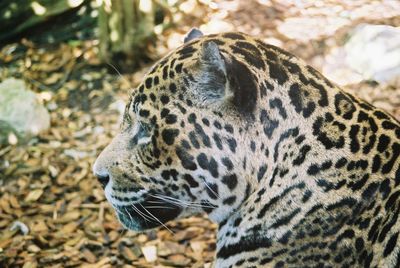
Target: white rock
(374, 52)
(20, 226)
(20, 108)
(150, 253)
(371, 53)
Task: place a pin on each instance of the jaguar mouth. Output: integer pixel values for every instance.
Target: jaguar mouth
(147, 214)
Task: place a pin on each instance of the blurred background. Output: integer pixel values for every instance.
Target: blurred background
(66, 70)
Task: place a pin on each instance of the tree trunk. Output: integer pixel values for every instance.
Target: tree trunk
(126, 30)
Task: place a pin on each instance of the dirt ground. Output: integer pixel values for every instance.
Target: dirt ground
(53, 212)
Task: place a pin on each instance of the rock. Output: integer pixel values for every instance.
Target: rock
(21, 110)
(374, 51)
(18, 225)
(371, 53)
(150, 253)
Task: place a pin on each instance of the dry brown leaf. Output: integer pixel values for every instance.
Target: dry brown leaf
(34, 195)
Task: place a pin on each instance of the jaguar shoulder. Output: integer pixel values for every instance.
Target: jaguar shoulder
(295, 171)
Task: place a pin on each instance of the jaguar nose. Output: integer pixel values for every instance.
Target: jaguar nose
(103, 179)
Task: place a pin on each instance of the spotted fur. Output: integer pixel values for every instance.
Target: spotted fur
(296, 172)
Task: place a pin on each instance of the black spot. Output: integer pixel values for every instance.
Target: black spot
(170, 119)
(186, 51)
(229, 201)
(169, 135)
(192, 118)
(230, 181)
(392, 200)
(344, 106)
(253, 146)
(235, 36)
(165, 174)
(269, 124)
(329, 132)
(370, 191)
(164, 112)
(243, 246)
(232, 144)
(212, 190)
(261, 172)
(178, 68)
(307, 195)
(193, 140)
(383, 143)
(199, 130)
(385, 188)
(207, 206)
(386, 168)
(227, 163)
(359, 244)
(284, 220)
(152, 97)
(148, 82)
(389, 125)
(164, 99)
(202, 160)
(376, 163)
(302, 155)
(185, 144)
(191, 181)
(144, 113)
(275, 200)
(277, 103)
(341, 163)
(276, 69)
(217, 125)
(217, 141)
(359, 184)
(172, 88)
(205, 121)
(156, 80)
(299, 101)
(381, 115)
(186, 159)
(229, 128)
(250, 53)
(354, 144)
(292, 132)
(391, 244)
(211, 165)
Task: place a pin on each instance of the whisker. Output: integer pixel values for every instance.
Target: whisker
(180, 202)
(205, 182)
(119, 74)
(143, 215)
(157, 219)
(160, 207)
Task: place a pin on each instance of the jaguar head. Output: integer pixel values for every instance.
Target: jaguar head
(179, 150)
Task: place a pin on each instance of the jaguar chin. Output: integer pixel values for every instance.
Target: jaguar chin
(146, 215)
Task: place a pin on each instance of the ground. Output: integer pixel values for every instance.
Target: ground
(47, 191)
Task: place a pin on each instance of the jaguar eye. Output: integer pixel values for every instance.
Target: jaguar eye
(143, 134)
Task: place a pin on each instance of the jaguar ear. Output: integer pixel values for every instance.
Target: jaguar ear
(192, 34)
(213, 78)
(226, 79)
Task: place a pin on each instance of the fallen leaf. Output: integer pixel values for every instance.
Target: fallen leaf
(34, 195)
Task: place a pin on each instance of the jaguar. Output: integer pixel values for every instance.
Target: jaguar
(295, 171)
